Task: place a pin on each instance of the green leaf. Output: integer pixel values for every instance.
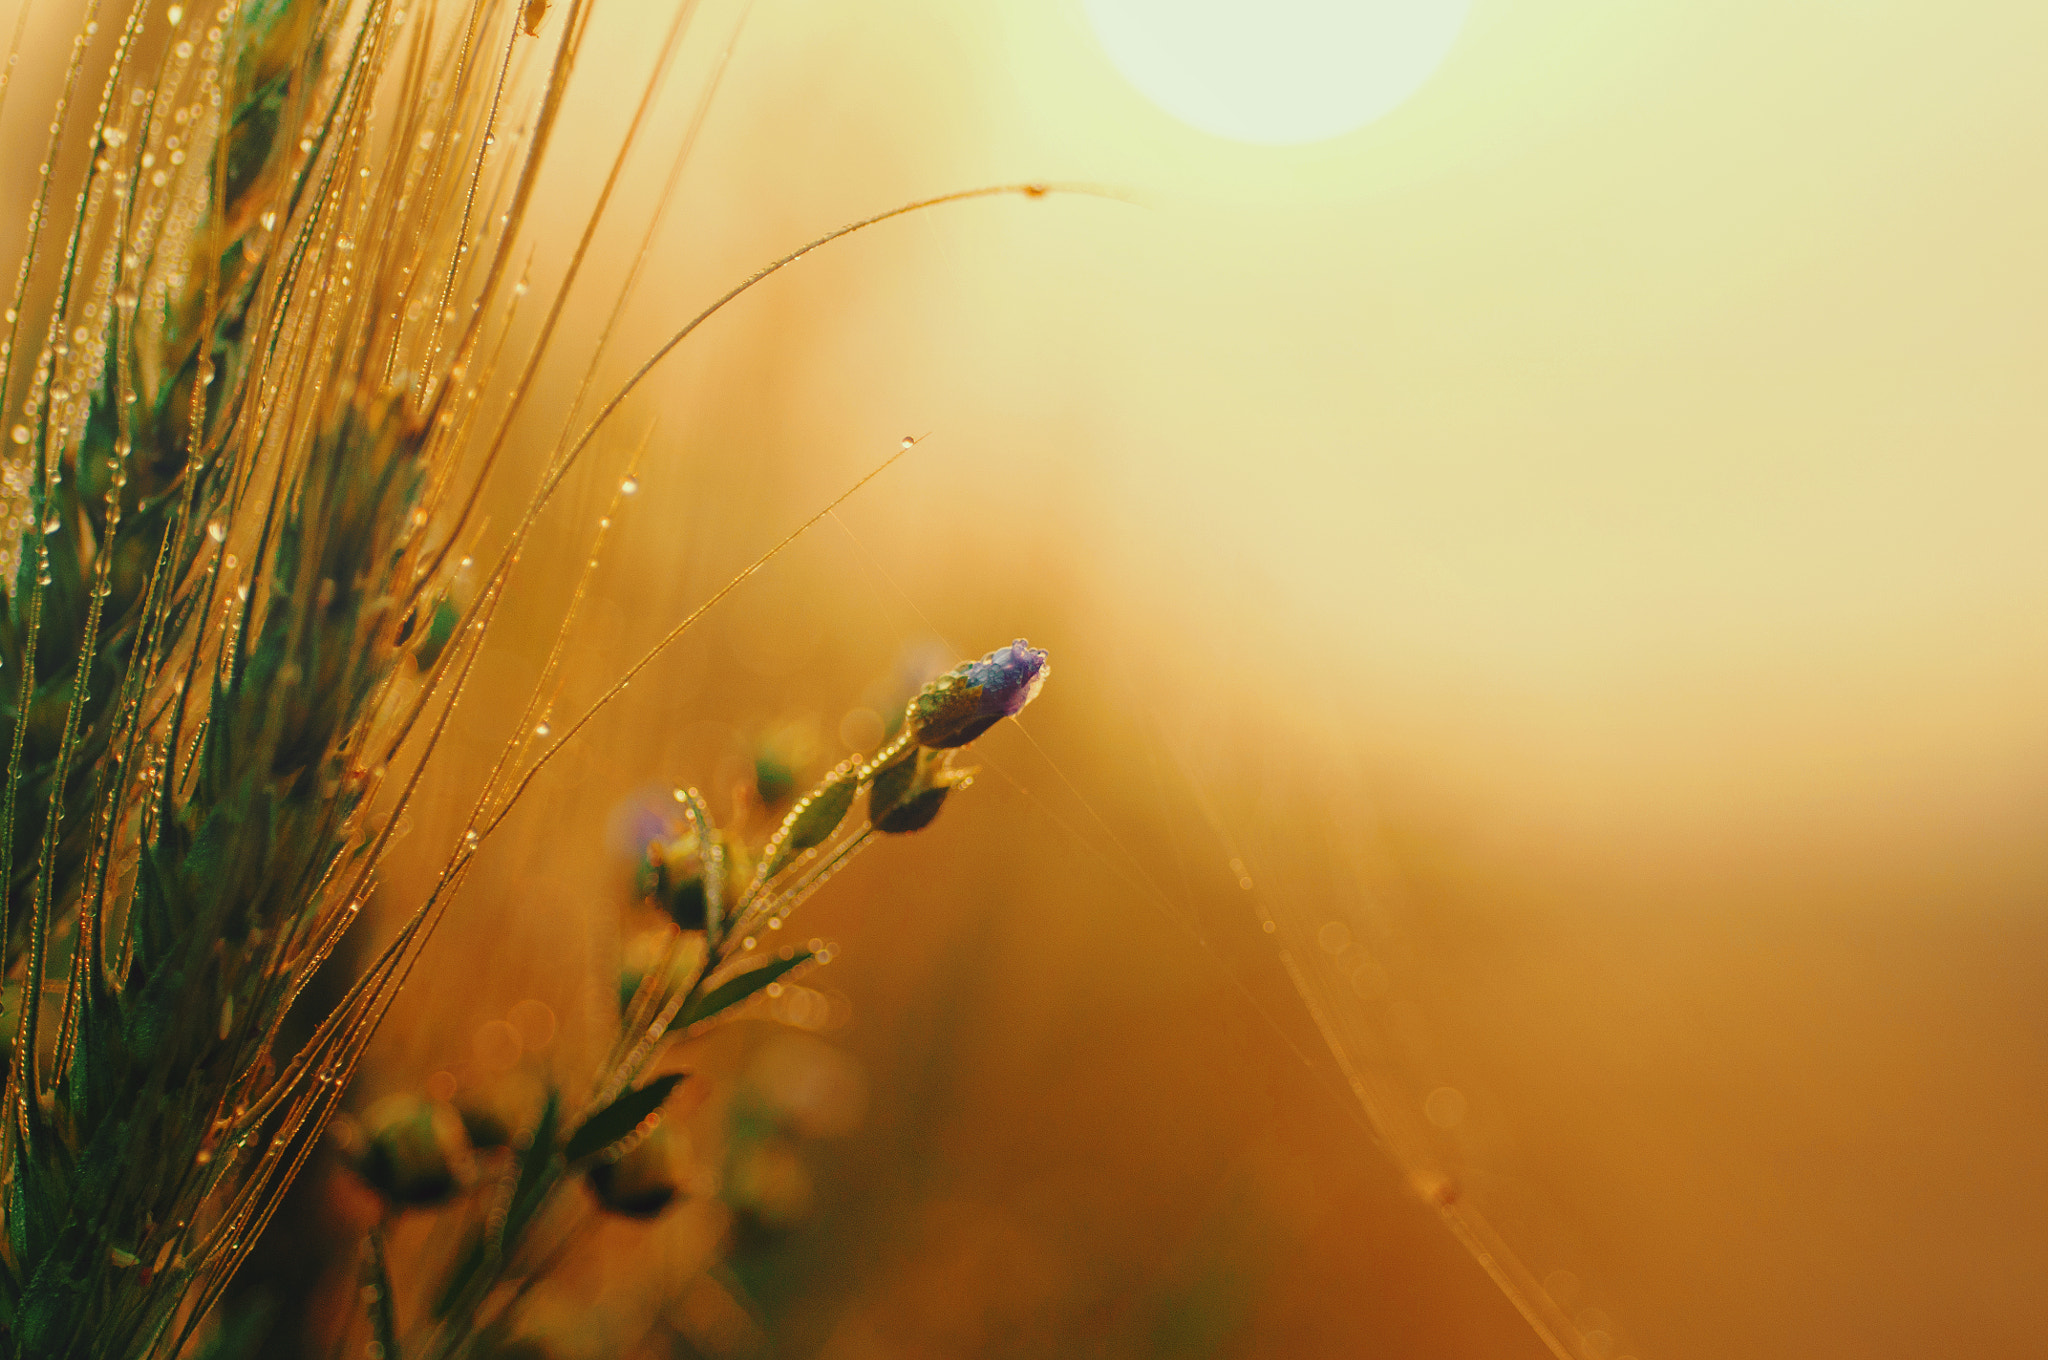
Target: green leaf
(908, 793)
(732, 991)
(376, 1283)
(711, 870)
(534, 1160)
(618, 1119)
(814, 818)
(475, 1254)
(440, 628)
(487, 1248)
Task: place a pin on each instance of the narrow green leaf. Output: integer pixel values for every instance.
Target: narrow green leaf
(487, 1249)
(377, 1296)
(534, 1160)
(618, 1119)
(711, 869)
(474, 1256)
(440, 629)
(814, 818)
(732, 991)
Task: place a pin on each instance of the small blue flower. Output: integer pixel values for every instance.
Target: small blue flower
(976, 695)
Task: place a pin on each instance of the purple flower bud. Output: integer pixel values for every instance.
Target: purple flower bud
(976, 695)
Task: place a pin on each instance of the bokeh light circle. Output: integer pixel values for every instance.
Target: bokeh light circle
(1277, 72)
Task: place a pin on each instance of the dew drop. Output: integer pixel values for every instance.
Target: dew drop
(908, 441)
(269, 220)
(541, 729)
(629, 486)
(176, 14)
(20, 434)
(217, 529)
(52, 525)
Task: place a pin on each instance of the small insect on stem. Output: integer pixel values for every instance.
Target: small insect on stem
(530, 17)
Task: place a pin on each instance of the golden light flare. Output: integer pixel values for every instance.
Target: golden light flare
(1279, 72)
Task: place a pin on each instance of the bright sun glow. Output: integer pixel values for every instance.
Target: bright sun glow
(1277, 71)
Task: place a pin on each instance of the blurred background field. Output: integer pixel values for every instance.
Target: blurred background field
(1579, 536)
(1568, 556)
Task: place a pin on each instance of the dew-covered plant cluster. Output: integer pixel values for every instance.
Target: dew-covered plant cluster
(273, 334)
(500, 1168)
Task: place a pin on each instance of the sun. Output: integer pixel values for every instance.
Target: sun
(1277, 72)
